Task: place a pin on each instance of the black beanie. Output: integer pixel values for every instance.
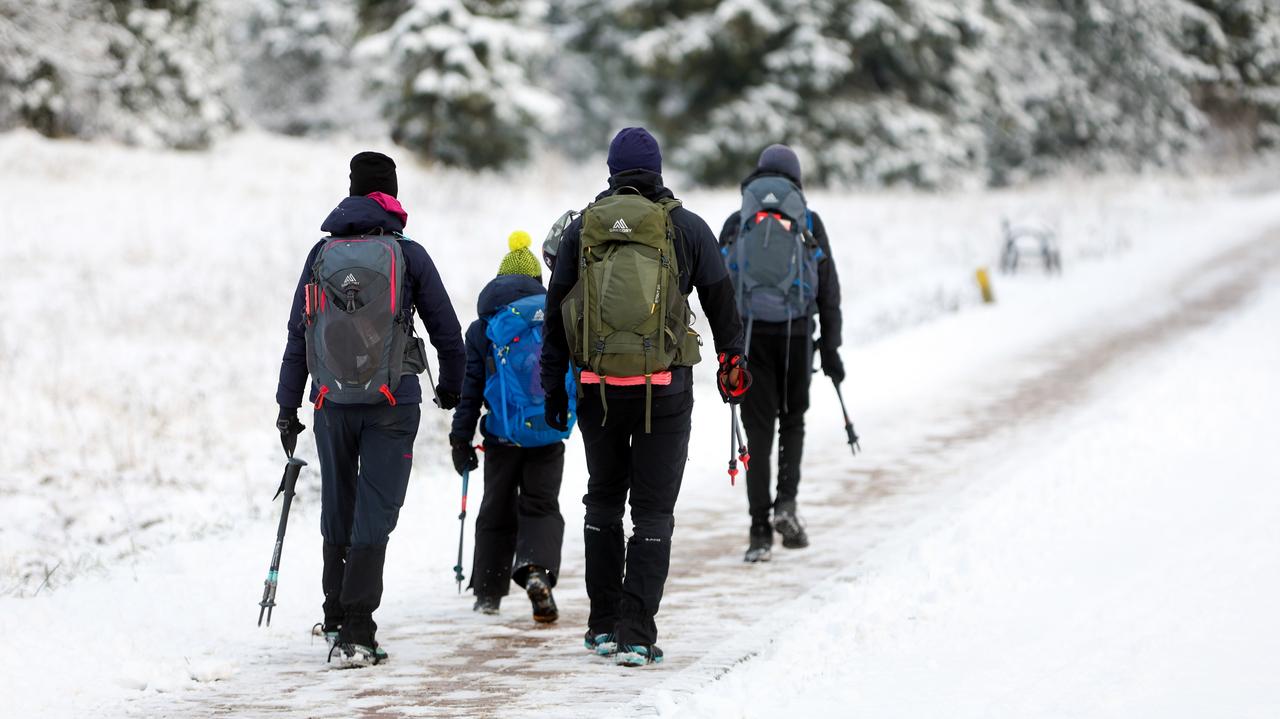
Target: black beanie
(373, 172)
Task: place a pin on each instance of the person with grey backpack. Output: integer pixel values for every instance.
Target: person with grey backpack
(778, 255)
(351, 328)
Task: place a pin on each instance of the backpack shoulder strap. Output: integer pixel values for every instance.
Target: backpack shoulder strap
(490, 364)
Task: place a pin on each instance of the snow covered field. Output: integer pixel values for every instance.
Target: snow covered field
(140, 459)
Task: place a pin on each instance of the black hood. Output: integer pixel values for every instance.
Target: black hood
(769, 173)
(647, 182)
(359, 216)
(505, 289)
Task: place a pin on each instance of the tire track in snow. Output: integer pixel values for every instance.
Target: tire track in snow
(449, 663)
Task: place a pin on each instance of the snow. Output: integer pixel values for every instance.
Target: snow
(136, 523)
(1122, 563)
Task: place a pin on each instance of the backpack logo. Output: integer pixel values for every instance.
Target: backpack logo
(621, 226)
(537, 316)
(770, 198)
(350, 279)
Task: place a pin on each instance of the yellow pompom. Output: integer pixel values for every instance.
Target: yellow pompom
(519, 240)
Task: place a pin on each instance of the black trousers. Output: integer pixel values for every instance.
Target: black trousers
(519, 525)
(366, 453)
(779, 397)
(625, 579)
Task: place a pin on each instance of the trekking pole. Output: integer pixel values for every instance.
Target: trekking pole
(733, 450)
(287, 484)
(462, 528)
(848, 424)
(743, 455)
(737, 448)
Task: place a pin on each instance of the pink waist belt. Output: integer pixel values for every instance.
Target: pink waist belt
(589, 377)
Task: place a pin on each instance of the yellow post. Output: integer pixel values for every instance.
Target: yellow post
(984, 283)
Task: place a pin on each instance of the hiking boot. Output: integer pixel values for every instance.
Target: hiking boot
(329, 632)
(789, 526)
(638, 655)
(762, 543)
(351, 656)
(354, 644)
(538, 587)
(487, 605)
(760, 549)
(601, 644)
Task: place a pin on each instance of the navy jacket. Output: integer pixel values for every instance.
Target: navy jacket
(501, 291)
(830, 319)
(700, 268)
(360, 215)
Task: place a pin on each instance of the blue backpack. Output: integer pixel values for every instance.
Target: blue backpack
(513, 389)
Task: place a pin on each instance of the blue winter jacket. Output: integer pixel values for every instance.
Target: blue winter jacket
(360, 215)
(501, 291)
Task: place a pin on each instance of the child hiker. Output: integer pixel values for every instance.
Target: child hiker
(519, 530)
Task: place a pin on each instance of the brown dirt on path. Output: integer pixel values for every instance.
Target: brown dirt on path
(456, 667)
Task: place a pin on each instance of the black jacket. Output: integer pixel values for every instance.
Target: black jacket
(828, 300)
(501, 291)
(353, 216)
(700, 268)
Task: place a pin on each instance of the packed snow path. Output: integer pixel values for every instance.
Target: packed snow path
(447, 661)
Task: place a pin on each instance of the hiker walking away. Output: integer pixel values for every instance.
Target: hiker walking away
(519, 530)
(351, 329)
(779, 256)
(623, 274)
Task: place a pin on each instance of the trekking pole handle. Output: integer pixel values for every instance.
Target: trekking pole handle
(466, 479)
(426, 361)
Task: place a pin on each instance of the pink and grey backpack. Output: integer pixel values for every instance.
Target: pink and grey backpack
(359, 321)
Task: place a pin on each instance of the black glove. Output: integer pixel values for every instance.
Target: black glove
(289, 426)
(556, 409)
(732, 379)
(464, 456)
(446, 399)
(832, 365)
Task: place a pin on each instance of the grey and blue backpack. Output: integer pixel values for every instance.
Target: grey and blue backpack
(773, 260)
(359, 321)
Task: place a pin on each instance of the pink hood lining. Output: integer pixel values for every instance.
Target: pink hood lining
(390, 204)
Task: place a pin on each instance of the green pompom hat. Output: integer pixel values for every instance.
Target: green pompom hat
(520, 261)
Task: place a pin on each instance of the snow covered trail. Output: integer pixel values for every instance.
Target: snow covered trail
(1120, 560)
(449, 662)
(151, 512)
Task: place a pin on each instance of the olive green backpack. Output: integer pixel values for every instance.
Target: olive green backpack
(626, 316)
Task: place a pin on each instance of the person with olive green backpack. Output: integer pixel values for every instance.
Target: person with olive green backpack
(623, 275)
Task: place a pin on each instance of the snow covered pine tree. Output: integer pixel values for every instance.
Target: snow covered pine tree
(457, 77)
(146, 73)
(930, 92)
(311, 83)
